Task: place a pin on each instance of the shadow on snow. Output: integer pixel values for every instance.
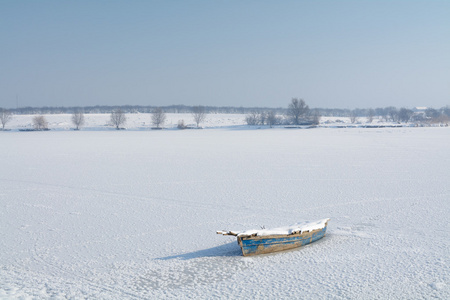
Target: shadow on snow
(230, 249)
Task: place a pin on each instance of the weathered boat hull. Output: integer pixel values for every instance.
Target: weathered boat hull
(254, 245)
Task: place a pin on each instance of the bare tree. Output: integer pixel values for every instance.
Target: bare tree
(296, 110)
(370, 115)
(392, 113)
(181, 124)
(78, 119)
(271, 118)
(5, 117)
(446, 111)
(199, 114)
(118, 118)
(383, 113)
(316, 118)
(353, 117)
(432, 113)
(404, 114)
(252, 118)
(40, 123)
(262, 118)
(158, 117)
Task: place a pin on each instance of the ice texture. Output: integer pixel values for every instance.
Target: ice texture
(132, 214)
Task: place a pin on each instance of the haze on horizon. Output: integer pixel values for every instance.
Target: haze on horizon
(333, 54)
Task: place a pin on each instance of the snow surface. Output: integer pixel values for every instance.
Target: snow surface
(133, 214)
(284, 230)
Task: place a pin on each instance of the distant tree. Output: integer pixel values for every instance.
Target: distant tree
(370, 115)
(441, 119)
(353, 117)
(359, 112)
(392, 114)
(404, 115)
(158, 117)
(432, 113)
(199, 114)
(252, 118)
(5, 117)
(383, 113)
(296, 110)
(446, 111)
(262, 118)
(316, 118)
(271, 118)
(40, 123)
(118, 118)
(181, 125)
(78, 119)
(438, 116)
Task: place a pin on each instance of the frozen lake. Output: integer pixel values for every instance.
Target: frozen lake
(133, 214)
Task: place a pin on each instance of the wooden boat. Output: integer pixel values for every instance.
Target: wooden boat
(262, 241)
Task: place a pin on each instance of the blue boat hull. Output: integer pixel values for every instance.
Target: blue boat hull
(266, 244)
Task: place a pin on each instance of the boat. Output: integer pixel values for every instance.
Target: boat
(261, 241)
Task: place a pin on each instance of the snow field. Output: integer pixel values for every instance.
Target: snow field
(133, 214)
(136, 121)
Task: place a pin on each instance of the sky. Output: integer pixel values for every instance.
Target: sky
(332, 54)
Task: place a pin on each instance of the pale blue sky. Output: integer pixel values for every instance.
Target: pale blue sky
(334, 54)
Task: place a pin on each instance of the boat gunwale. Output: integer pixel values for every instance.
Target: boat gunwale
(262, 237)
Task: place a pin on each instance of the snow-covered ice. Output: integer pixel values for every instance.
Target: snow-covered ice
(134, 214)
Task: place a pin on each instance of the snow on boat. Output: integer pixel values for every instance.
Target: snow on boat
(262, 241)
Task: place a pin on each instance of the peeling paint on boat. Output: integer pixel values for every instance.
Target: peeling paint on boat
(267, 244)
(253, 242)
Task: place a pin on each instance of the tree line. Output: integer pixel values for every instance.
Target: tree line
(403, 115)
(325, 112)
(105, 109)
(296, 113)
(117, 118)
